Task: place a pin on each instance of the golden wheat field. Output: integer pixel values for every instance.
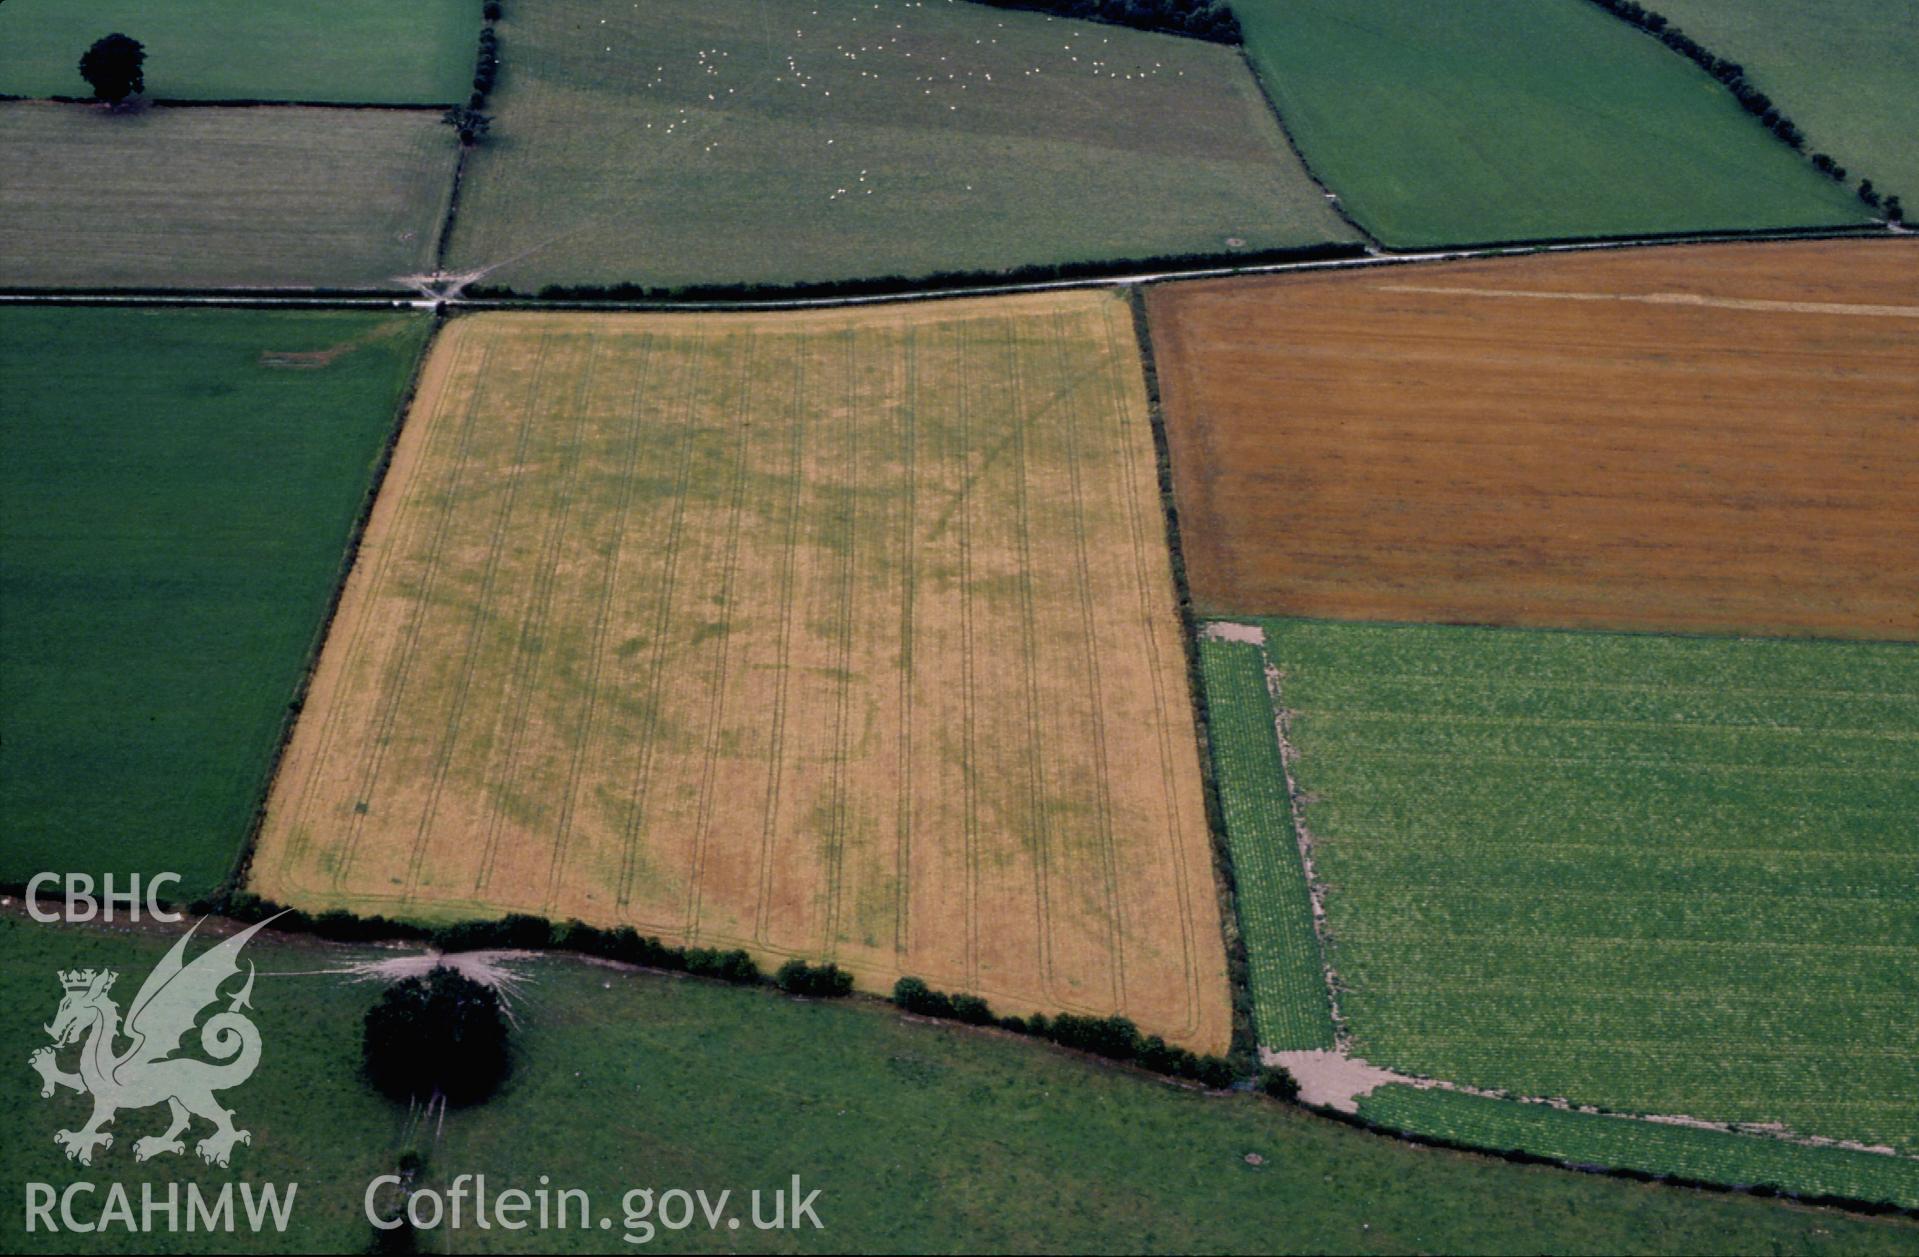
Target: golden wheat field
(847, 635)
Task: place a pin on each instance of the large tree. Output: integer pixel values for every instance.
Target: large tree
(443, 1036)
(113, 66)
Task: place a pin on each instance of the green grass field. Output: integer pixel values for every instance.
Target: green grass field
(1842, 70)
(829, 139)
(1290, 1006)
(913, 1134)
(173, 509)
(1657, 875)
(363, 51)
(219, 198)
(1482, 120)
(1652, 1147)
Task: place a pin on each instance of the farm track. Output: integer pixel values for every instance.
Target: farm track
(592, 654)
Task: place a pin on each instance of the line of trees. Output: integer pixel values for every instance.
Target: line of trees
(1733, 76)
(468, 119)
(1198, 19)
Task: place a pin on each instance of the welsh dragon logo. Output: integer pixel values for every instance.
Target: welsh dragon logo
(147, 1072)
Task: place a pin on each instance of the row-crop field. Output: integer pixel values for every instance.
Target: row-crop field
(1843, 71)
(219, 197)
(1484, 120)
(911, 1133)
(1515, 441)
(353, 51)
(1659, 875)
(1694, 1152)
(847, 635)
(176, 492)
(793, 140)
(1291, 1009)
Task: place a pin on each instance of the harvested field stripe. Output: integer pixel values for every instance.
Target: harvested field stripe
(1673, 299)
(716, 688)
(1133, 480)
(602, 610)
(662, 618)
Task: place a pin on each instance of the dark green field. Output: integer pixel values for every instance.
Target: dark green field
(1486, 120)
(913, 1133)
(367, 51)
(174, 503)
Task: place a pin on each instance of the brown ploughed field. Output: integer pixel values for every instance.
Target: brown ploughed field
(1711, 438)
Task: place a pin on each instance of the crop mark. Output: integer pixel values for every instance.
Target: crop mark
(716, 720)
(360, 638)
(796, 482)
(1029, 649)
(476, 629)
(903, 852)
(1089, 649)
(662, 617)
(602, 613)
(836, 837)
(382, 736)
(962, 509)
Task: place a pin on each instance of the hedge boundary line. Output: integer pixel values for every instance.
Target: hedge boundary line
(1244, 1042)
(1220, 25)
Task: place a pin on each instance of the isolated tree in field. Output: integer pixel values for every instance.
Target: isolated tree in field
(470, 123)
(1894, 211)
(113, 67)
(443, 1036)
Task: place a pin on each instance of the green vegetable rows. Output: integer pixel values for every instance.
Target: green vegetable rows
(1290, 1004)
(1653, 1147)
(1654, 874)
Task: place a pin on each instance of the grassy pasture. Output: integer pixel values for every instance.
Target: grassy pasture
(794, 140)
(1655, 1148)
(1483, 120)
(1290, 1007)
(173, 507)
(1517, 442)
(845, 635)
(1658, 875)
(914, 1133)
(1841, 70)
(219, 198)
(357, 51)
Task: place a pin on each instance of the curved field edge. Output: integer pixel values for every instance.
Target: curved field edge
(1489, 121)
(1583, 1140)
(1015, 1145)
